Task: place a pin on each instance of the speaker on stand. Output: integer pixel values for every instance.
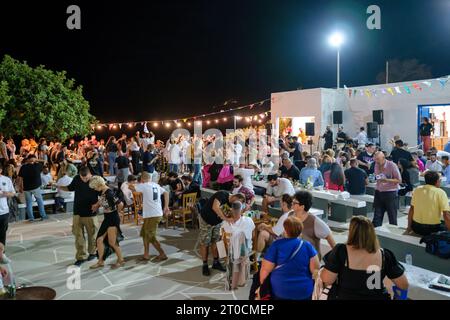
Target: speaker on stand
(378, 117)
(310, 132)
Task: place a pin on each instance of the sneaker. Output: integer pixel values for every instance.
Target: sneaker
(218, 266)
(92, 257)
(78, 263)
(205, 270)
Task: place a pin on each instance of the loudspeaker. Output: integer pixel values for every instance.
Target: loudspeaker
(372, 130)
(337, 117)
(309, 128)
(378, 116)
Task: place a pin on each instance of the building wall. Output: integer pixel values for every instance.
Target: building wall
(400, 110)
(299, 103)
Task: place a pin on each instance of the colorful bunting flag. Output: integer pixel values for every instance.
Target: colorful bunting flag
(427, 83)
(408, 90)
(443, 82)
(417, 87)
(390, 91)
(397, 89)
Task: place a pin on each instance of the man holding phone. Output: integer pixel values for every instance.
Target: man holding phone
(386, 192)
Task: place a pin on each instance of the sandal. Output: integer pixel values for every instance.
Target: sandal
(159, 258)
(97, 266)
(142, 259)
(118, 264)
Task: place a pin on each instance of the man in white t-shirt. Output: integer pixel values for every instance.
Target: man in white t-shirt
(246, 175)
(62, 195)
(275, 190)
(152, 213)
(174, 157)
(6, 191)
(125, 188)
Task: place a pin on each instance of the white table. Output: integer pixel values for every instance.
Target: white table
(419, 279)
(330, 195)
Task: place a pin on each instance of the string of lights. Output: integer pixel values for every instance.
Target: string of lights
(208, 119)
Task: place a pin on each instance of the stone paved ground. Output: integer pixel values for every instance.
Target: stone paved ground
(42, 252)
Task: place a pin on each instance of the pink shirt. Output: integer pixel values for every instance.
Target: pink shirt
(420, 165)
(388, 171)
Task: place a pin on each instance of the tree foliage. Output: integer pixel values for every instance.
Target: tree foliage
(405, 70)
(40, 102)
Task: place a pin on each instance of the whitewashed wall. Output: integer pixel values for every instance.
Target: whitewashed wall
(400, 110)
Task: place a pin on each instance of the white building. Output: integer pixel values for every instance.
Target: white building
(402, 111)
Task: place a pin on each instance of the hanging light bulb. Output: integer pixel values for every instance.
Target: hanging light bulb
(249, 119)
(130, 125)
(262, 115)
(114, 126)
(208, 122)
(155, 124)
(259, 121)
(255, 118)
(168, 125)
(238, 117)
(189, 124)
(225, 119)
(178, 124)
(99, 127)
(216, 121)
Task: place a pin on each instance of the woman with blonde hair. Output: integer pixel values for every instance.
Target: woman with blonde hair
(110, 227)
(360, 266)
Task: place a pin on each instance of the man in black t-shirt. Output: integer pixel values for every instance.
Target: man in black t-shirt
(30, 183)
(210, 219)
(328, 136)
(366, 159)
(399, 153)
(124, 168)
(289, 170)
(84, 215)
(356, 179)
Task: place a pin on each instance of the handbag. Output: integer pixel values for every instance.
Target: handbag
(264, 292)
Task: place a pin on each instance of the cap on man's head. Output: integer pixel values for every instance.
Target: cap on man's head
(272, 177)
(399, 143)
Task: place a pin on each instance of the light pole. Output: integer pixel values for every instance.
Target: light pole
(336, 40)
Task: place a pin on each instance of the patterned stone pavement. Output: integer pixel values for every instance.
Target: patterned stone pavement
(43, 254)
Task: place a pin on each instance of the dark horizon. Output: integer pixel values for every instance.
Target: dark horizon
(173, 59)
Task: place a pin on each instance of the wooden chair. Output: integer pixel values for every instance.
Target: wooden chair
(127, 212)
(186, 212)
(138, 206)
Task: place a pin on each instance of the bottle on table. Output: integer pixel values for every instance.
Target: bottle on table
(408, 258)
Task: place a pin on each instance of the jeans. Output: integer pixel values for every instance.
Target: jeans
(59, 203)
(135, 157)
(112, 161)
(173, 167)
(197, 174)
(385, 201)
(40, 202)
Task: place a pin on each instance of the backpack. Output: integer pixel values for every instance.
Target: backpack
(438, 244)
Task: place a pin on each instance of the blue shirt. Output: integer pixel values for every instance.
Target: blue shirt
(292, 281)
(314, 174)
(447, 174)
(447, 147)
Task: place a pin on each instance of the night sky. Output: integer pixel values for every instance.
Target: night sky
(155, 60)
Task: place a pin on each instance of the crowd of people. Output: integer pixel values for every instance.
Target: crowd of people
(289, 251)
